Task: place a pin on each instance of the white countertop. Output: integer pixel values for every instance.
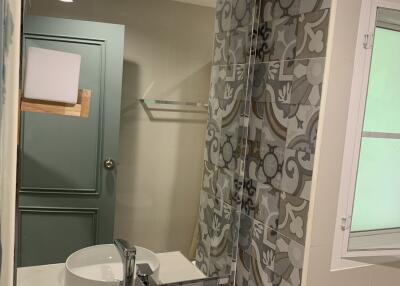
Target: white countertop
(174, 267)
(45, 275)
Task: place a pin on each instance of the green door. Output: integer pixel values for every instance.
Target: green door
(66, 195)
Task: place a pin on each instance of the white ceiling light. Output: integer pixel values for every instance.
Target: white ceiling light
(68, 1)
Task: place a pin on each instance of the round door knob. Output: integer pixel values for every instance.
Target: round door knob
(109, 164)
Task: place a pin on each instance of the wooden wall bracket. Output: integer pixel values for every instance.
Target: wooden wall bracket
(80, 109)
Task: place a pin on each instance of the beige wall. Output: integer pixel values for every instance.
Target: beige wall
(328, 163)
(168, 49)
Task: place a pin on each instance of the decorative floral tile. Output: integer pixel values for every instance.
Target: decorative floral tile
(252, 163)
(293, 213)
(229, 150)
(259, 82)
(231, 137)
(206, 213)
(288, 110)
(221, 49)
(267, 210)
(215, 107)
(302, 129)
(235, 226)
(297, 173)
(249, 200)
(274, 127)
(312, 34)
(256, 121)
(235, 82)
(243, 268)
(220, 265)
(308, 77)
(210, 177)
(307, 6)
(233, 106)
(260, 276)
(239, 45)
(203, 254)
(222, 218)
(212, 144)
(269, 169)
(266, 115)
(245, 232)
(217, 84)
(221, 240)
(223, 11)
(289, 259)
(228, 185)
(263, 245)
(280, 71)
(242, 13)
(213, 130)
(275, 9)
(273, 82)
(253, 142)
(279, 81)
(277, 40)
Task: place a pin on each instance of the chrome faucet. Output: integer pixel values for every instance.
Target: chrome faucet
(128, 255)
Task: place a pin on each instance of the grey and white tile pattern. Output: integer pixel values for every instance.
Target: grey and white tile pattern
(277, 40)
(289, 257)
(312, 34)
(266, 88)
(293, 213)
(276, 9)
(307, 6)
(307, 85)
(297, 173)
(303, 128)
(267, 210)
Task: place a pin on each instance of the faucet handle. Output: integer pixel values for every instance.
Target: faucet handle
(143, 277)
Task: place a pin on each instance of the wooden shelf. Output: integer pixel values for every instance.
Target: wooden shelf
(81, 109)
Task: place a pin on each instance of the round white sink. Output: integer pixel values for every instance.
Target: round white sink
(101, 265)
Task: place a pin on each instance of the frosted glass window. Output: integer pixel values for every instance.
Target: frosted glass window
(376, 204)
(377, 196)
(383, 104)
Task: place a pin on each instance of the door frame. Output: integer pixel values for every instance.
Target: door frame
(12, 12)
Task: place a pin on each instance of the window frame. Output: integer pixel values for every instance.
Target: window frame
(342, 258)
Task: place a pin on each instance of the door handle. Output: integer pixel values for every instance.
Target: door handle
(109, 164)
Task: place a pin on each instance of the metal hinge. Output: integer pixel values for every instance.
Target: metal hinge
(368, 41)
(345, 223)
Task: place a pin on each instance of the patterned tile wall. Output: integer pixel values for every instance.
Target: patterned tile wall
(226, 137)
(267, 76)
(285, 96)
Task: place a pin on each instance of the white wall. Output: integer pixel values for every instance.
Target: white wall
(8, 140)
(168, 49)
(328, 162)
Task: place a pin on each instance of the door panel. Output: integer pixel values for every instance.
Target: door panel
(66, 197)
(79, 224)
(49, 140)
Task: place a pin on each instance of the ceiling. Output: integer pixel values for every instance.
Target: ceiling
(207, 3)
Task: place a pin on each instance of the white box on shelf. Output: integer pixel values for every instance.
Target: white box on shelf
(52, 75)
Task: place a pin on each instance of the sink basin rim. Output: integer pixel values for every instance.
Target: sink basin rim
(71, 271)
